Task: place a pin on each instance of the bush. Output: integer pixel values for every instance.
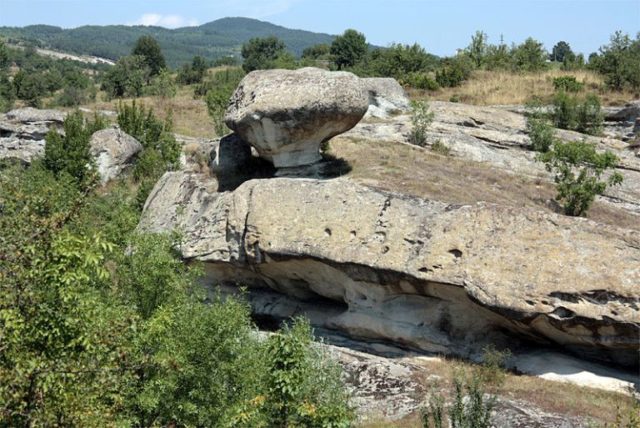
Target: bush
(262, 53)
(577, 114)
(529, 56)
(421, 118)
(161, 150)
(194, 72)
(567, 84)
(420, 80)
(541, 133)
(578, 169)
(472, 412)
(127, 78)
(221, 88)
(619, 62)
(440, 148)
(163, 85)
(492, 371)
(454, 71)
(69, 153)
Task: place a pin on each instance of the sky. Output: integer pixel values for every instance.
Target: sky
(440, 26)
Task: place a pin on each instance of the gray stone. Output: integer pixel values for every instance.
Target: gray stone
(386, 97)
(114, 151)
(229, 155)
(421, 273)
(286, 115)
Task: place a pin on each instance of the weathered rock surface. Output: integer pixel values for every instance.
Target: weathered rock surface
(114, 151)
(498, 137)
(22, 132)
(628, 113)
(286, 115)
(386, 97)
(420, 273)
(229, 155)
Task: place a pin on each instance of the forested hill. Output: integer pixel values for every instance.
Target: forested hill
(212, 40)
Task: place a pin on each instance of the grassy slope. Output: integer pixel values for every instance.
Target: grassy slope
(501, 87)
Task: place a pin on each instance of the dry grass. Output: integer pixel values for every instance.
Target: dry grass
(190, 115)
(501, 87)
(423, 173)
(594, 405)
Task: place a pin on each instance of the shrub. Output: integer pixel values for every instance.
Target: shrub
(578, 169)
(567, 84)
(7, 93)
(127, 77)
(582, 115)
(221, 88)
(163, 85)
(261, 53)
(540, 131)
(472, 412)
(161, 150)
(69, 153)
(420, 80)
(421, 118)
(194, 72)
(529, 56)
(492, 370)
(454, 71)
(441, 148)
(619, 62)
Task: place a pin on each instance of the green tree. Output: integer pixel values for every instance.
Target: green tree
(194, 72)
(127, 77)
(261, 53)
(319, 51)
(578, 169)
(4, 55)
(478, 48)
(498, 57)
(561, 51)
(148, 48)
(68, 154)
(30, 87)
(619, 62)
(349, 48)
(7, 93)
(163, 85)
(529, 56)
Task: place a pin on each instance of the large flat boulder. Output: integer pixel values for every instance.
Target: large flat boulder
(287, 114)
(420, 273)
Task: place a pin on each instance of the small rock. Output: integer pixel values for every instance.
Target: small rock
(229, 155)
(386, 97)
(114, 151)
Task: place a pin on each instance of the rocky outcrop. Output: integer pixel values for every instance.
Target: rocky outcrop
(498, 137)
(286, 114)
(22, 132)
(386, 97)
(113, 151)
(420, 273)
(229, 155)
(628, 113)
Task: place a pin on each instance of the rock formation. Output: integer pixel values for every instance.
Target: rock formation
(286, 114)
(114, 151)
(386, 97)
(22, 132)
(421, 273)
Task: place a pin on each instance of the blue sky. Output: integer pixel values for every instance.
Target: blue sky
(438, 25)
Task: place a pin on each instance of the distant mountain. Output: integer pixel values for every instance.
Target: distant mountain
(212, 40)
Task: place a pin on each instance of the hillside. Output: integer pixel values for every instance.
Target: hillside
(211, 40)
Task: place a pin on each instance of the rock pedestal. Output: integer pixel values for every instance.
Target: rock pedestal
(287, 114)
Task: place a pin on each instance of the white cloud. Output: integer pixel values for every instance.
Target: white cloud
(258, 9)
(168, 21)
